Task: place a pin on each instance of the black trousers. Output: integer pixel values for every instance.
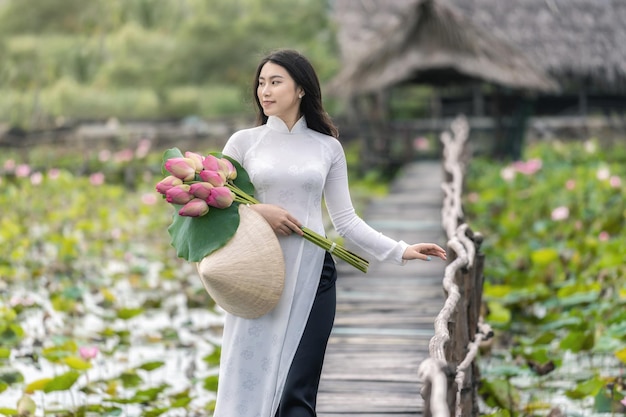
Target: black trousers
(300, 393)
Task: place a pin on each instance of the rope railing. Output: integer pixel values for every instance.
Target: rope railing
(450, 374)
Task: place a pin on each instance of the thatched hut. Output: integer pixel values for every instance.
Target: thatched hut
(385, 43)
(568, 53)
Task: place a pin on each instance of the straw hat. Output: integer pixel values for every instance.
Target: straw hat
(247, 275)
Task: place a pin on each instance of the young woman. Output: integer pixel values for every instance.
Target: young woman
(271, 366)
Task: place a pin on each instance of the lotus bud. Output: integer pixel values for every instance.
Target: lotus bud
(167, 183)
(179, 194)
(196, 158)
(183, 168)
(215, 178)
(201, 190)
(228, 169)
(210, 163)
(88, 352)
(221, 197)
(194, 208)
(26, 406)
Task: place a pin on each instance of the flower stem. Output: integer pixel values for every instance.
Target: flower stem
(342, 253)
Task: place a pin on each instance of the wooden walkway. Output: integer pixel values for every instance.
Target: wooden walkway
(385, 317)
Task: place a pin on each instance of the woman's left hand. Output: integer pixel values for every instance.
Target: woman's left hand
(424, 251)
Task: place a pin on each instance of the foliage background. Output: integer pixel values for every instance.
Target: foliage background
(74, 59)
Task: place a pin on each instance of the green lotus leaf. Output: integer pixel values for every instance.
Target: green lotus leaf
(196, 237)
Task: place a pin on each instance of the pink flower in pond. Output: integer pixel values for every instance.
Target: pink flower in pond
(104, 155)
(529, 167)
(603, 236)
(578, 225)
(143, 148)
(603, 174)
(194, 208)
(623, 401)
(560, 213)
(149, 199)
(508, 174)
(125, 155)
(22, 170)
(36, 178)
(97, 178)
(615, 181)
(421, 143)
(570, 184)
(88, 352)
(54, 173)
(9, 165)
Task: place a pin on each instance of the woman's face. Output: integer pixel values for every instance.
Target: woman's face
(278, 93)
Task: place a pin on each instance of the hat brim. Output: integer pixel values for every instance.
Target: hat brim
(246, 277)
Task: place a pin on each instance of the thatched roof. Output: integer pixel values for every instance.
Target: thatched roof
(571, 40)
(526, 44)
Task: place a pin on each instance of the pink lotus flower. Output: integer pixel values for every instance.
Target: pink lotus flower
(88, 352)
(143, 148)
(125, 155)
(215, 178)
(183, 168)
(529, 167)
(149, 199)
(168, 182)
(201, 190)
(36, 178)
(96, 178)
(179, 194)
(9, 165)
(54, 173)
(211, 163)
(227, 168)
(197, 160)
(22, 170)
(560, 213)
(615, 181)
(194, 208)
(221, 197)
(603, 236)
(570, 184)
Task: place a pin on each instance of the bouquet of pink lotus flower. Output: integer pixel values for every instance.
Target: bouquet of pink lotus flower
(206, 191)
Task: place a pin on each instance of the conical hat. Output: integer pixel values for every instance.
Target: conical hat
(246, 277)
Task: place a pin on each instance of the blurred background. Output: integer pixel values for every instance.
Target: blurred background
(96, 313)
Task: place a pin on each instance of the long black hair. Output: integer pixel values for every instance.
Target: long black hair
(302, 72)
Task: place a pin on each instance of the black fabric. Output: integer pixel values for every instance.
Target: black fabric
(300, 393)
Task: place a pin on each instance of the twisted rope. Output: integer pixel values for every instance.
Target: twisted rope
(431, 369)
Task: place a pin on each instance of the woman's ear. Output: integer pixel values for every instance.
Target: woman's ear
(300, 92)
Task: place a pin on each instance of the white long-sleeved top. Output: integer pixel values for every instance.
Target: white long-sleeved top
(294, 169)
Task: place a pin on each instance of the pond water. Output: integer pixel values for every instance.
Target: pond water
(175, 331)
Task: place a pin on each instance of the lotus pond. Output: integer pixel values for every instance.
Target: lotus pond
(555, 278)
(97, 315)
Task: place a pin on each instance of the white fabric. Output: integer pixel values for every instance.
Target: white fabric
(292, 169)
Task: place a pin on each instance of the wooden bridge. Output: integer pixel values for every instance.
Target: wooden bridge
(385, 318)
(400, 327)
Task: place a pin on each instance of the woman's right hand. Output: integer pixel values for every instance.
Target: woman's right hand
(279, 219)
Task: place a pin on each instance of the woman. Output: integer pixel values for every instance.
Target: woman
(271, 366)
